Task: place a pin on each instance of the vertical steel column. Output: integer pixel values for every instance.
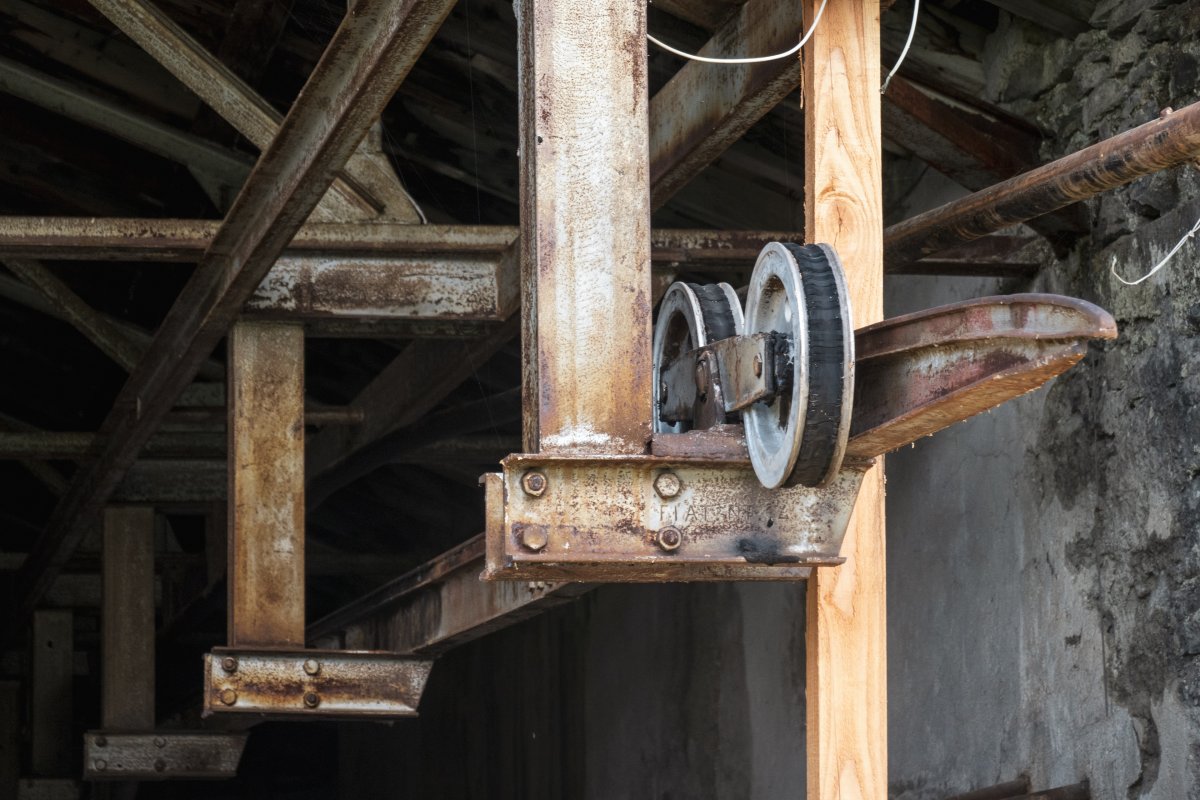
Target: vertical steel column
(846, 631)
(54, 752)
(585, 222)
(266, 484)
(127, 685)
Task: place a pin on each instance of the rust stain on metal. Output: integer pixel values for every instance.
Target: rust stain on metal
(282, 684)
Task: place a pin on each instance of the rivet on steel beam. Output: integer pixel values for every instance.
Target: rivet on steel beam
(669, 538)
(159, 765)
(667, 484)
(229, 664)
(533, 537)
(159, 741)
(228, 696)
(101, 764)
(311, 699)
(534, 483)
(101, 741)
(312, 666)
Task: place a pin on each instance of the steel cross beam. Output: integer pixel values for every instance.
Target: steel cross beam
(370, 54)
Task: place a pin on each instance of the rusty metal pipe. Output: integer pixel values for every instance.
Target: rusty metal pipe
(1167, 142)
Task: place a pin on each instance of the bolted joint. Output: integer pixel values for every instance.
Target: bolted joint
(534, 483)
(229, 664)
(667, 485)
(312, 699)
(669, 538)
(228, 696)
(533, 537)
(311, 666)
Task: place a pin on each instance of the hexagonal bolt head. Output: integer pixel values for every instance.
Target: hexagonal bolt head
(312, 699)
(100, 764)
(669, 538)
(311, 666)
(534, 483)
(533, 537)
(229, 664)
(667, 484)
(228, 696)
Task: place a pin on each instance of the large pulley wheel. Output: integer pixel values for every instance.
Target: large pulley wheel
(691, 316)
(799, 436)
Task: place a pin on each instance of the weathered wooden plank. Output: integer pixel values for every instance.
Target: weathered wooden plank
(585, 219)
(266, 484)
(53, 750)
(846, 632)
(127, 647)
(369, 56)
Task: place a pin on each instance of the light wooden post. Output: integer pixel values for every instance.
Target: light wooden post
(585, 222)
(54, 752)
(127, 688)
(846, 631)
(266, 484)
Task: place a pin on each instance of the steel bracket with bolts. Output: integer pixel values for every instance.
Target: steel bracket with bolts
(764, 422)
(161, 755)
(312, 684)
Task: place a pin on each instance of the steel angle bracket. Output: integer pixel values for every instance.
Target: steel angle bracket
(312, 684)
(161, 755)
(650, 519)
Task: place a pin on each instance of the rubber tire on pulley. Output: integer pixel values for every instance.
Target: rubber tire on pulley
(690, 316)
(800, 437)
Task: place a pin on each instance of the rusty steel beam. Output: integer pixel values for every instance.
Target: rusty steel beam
(369, 55)
(266, 485)
(227, 166)
(439, 605)
(1169, 141)
(585, 221)
(244, 109)
(127, 646)
(704, 108)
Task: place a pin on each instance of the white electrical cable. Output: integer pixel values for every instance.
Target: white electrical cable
(753, 60)
(1113, 267)
(912, 31)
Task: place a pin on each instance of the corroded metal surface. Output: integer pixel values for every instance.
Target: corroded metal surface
(307, 684)
(161, 755)
(616, 519)
(585, 220)
(1166, 142)
(925, 371)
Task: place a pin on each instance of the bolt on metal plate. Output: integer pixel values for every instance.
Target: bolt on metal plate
(163, 755)
(652, 518)
(307, 684)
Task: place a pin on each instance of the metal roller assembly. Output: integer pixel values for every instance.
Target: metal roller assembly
(797, 434)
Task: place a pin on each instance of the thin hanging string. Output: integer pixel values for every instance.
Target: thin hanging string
(912, 31)
(1113, 268)
(754, 60)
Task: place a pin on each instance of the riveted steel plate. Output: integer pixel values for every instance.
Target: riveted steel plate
(161, 755)
(312, 684)
(649, 518)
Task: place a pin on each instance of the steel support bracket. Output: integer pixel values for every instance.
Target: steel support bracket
(312, 684)
(161, 755)
(650, 518)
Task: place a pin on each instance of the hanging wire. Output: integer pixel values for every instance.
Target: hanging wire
(751, 60)
(1179, 246)
(912, 31)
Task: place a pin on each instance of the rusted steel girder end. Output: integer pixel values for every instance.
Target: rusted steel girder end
(161, 755)
(312, 684)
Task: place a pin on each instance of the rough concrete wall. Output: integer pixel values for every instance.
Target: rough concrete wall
(1043, 594)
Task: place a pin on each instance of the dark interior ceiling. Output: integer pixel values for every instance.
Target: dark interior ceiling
(451, 134)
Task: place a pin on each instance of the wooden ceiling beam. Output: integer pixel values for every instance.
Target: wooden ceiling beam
(370, 54)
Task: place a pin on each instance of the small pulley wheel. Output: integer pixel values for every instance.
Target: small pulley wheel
(799, 436)
(691, 316)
